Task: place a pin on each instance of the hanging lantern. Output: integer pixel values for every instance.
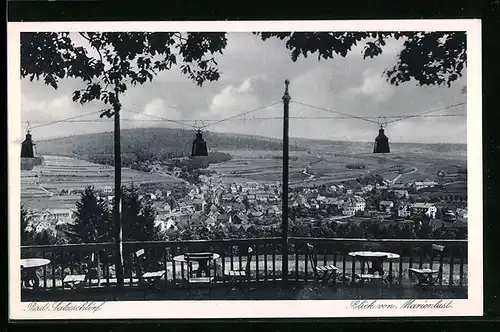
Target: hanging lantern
(381, 142)
(27, 147)
(199, 146)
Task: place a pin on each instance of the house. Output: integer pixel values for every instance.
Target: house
(334, 204)
(43, 226)
(262, 197)
(352, 205)
(213, 208)
(107, 190)
(198, 204)
(243, 229)
(367, 188)
(210, 222)
(60, 214)
(240, 218)
(418, 185)
(203, 178)
(381, 187)
(424, 209)
(386, 206)
(226, 198)
(224, 218)
(255, 214)
(218, 196)
(404, 211)
(148, 196)
(186, 208)
(401, 193)
(462, 213)
(237, 207)
(164, 224)
(398, 186)
(251, 198)
(227, 208)
(449, 216)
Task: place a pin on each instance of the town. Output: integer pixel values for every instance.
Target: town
(253, 208)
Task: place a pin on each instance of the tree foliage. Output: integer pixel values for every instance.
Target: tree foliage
(92, 219)
(138, 217)
(120, 60)
(27, 234)
(430, 58)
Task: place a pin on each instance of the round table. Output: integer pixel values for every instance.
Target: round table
(375, 257)
(202, 262)
(28, 271)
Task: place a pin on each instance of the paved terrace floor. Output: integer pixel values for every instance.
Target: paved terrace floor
(255, 291)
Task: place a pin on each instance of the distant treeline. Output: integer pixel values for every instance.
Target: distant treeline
(356, 166)
(131, 159)
(294, 158)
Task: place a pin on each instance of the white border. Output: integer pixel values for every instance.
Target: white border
(473, 306)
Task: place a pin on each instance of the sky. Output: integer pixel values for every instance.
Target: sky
(252, 75)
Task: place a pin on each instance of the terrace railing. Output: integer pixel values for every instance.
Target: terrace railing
(266, 264)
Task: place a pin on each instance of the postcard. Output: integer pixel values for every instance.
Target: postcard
(260, 169)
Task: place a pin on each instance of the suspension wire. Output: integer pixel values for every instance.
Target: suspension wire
(235, 117)
(242, 114)
(427, 112)
(399, 118)
(64, 120)
(159, 117)
(262, 118)
(335, 112)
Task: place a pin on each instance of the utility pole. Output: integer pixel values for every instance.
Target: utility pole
(118, 202)
(284, 191)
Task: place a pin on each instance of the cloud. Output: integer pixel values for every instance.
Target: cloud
(252, 75)
(374, 86)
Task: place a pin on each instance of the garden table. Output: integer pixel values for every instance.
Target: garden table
(201, 258)
(376, 258)
(28, 271)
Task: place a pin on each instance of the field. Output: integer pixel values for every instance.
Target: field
(322, 164)
(41, 186)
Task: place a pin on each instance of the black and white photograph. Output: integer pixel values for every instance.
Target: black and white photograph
(279, 169)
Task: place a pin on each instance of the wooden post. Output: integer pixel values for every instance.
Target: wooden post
(118, 202)
(284, 214)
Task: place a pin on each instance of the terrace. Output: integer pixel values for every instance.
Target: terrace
(266, 271)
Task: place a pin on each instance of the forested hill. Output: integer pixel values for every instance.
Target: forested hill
(153, 140)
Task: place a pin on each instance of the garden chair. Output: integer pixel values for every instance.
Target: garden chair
(428, 277)
(374, 273)
(195, 279)
(325, 274)
(150, 279)
(91, 268)
(237, 278)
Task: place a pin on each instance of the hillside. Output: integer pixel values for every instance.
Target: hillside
(168, 140)
(154, 140)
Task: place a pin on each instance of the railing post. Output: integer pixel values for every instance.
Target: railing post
(284, 191)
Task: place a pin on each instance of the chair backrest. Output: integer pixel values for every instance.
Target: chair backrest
(437, 254)
(311, 257)
(139, 255)
(249, 259)
(197, 256)
(437, 251)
